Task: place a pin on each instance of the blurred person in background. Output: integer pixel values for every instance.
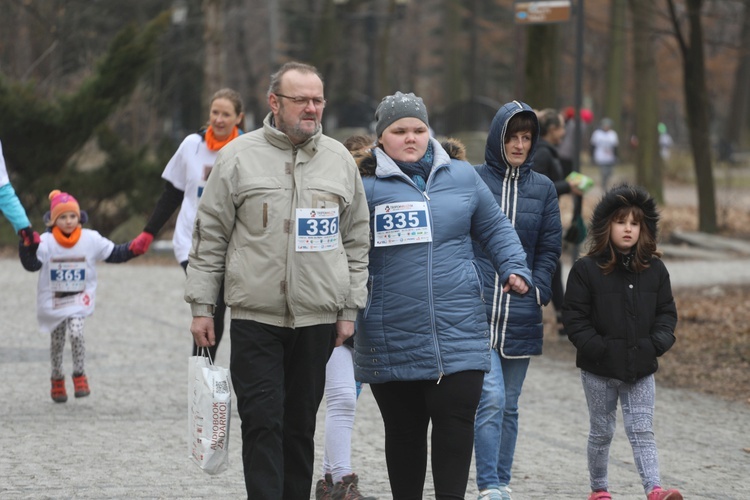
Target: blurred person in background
(185, 178)
(547, 162)
(339, 482)
(604, 143)
(13, 210)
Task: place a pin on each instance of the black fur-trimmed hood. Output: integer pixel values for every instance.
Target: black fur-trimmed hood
(367, 163)
(621, 196)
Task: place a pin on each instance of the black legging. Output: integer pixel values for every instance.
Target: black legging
(407, 409)
(219, 313)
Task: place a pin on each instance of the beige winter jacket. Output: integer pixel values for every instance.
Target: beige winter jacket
(245, 232)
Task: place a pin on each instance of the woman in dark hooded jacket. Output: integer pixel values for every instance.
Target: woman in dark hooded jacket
(529, 200)
(620, 315)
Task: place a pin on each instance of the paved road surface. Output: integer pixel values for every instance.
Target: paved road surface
(127, 440)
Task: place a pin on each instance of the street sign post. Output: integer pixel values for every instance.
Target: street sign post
(542, 12)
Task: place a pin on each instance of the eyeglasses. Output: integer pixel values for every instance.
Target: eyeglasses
(318, 102)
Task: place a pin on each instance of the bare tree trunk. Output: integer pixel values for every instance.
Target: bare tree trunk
(214, 63)
(474, 53)
(616, 68)
(454, 53)
(273, 34)
(542, 56)
(326, 36)
(696, 106)
(737, 122)
(23, 45)
(647, 161)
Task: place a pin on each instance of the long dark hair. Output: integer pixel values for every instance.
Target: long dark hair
(600, 244)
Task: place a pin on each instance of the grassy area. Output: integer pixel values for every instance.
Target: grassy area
(712, 352)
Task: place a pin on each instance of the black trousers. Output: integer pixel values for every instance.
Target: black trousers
(407, 409)
(279, 379)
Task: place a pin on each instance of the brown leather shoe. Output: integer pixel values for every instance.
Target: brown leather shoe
(347, 489)
(324, 488)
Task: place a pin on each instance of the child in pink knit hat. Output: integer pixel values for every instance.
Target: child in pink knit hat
(67, 255)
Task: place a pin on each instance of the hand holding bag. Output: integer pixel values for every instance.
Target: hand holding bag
(209, 409)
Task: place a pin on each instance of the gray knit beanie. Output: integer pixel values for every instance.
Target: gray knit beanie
(397, 106)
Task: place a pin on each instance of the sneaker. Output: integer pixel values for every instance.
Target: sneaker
(81, 384)
(490, 494)
(324, 488)
(660, 494)
(505, 492)
(347, 489)
(58, 393)
(601, 495)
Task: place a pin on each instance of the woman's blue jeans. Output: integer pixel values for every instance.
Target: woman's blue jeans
(496, 424)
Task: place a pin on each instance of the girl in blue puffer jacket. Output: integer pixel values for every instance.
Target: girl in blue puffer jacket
(422, 340)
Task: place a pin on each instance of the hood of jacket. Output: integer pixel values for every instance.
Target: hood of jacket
(621, 196)
(494, 153)
(367, 162)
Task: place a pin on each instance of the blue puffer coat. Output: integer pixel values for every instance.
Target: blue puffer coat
(529, 200)
(425, 316)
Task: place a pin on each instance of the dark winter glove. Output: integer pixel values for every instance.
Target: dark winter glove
(141, 243)
(29, 237)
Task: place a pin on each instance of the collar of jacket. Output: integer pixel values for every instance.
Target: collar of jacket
(279, 139)
(386, 167)
(366, 159)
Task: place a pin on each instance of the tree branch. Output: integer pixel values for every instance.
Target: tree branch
(677, 31)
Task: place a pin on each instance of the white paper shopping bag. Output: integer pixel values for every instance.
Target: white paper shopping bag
(209, 409)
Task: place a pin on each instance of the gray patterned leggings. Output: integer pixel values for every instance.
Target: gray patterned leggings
(73, 326)
(637, 402)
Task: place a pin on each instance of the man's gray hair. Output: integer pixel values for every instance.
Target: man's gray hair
(275, 85)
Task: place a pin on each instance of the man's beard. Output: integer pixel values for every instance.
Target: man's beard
(295, 132)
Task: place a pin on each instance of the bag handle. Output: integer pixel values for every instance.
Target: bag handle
(203, 351)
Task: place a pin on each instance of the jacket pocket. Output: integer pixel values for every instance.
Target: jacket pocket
(328, 194)
(663, 340)
(370, 280)
(480, 281)
(261, 205)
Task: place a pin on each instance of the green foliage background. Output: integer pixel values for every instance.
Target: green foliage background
(41, 136)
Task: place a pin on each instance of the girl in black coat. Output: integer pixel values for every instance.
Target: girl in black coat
(620, 315)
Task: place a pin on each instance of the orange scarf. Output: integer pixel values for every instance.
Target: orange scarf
(215, 144)
(68, 241)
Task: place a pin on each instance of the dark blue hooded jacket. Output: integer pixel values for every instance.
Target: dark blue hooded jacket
(529, 200)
